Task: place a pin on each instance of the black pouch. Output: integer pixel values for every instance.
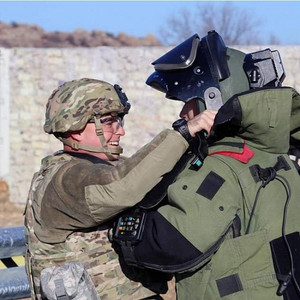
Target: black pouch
(282, 264)
(129, 227)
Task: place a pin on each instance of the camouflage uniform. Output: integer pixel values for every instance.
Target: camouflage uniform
(73, 196)
(70, 279)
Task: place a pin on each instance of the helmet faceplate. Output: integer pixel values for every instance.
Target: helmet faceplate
(212, 73)
(192, 70)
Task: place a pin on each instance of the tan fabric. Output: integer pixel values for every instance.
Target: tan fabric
(70, 197)
(73, 193)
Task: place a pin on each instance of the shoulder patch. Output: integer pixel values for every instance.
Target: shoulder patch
(210, 185)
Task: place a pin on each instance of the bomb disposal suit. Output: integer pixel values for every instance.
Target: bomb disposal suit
(230, 229)
(73, 196)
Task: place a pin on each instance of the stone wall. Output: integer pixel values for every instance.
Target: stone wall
(29, 75)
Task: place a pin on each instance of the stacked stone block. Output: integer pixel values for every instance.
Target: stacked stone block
(32, 74)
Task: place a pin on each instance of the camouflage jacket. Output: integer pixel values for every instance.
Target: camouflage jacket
(70, 201)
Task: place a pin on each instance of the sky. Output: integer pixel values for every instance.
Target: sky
(140, 18)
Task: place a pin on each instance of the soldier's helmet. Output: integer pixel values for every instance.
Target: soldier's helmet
(206, 70)
(72, 105)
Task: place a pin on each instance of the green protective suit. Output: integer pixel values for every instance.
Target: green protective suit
(202, 213)
(208, 210)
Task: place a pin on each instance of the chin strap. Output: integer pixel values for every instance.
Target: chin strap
(107, 151)
(104, 149)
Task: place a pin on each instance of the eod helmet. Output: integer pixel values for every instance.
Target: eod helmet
(206, 70)
(75, 103)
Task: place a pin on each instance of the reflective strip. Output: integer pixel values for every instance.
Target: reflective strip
(15, 261)
(2, 265)
(19, 260)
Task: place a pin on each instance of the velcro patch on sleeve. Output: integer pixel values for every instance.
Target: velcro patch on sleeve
(229, 285)
(210, 185)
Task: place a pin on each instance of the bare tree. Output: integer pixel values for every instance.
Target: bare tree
(235, 25)
(273, 40)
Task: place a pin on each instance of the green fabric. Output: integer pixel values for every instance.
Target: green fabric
(265, 130)
(248, 256)
(266, 119)
(295, 132)
(189, 211)
(237, 82)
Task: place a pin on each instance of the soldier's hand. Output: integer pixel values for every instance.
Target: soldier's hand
(202, 121)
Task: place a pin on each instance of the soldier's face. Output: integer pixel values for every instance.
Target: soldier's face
(189, 110)
(112, 130)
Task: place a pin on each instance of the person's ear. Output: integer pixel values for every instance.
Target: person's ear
(77, 136)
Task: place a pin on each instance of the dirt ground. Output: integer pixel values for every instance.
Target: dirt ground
(12, 215)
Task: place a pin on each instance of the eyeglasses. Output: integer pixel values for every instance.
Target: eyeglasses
(112, 122)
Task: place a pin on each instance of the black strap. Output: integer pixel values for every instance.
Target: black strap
(236, 226)
(268, 174)
(60, 290)
(128, 253)
(265, 175)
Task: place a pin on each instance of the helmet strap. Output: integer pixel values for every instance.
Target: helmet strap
(107, 151)
(104, 149)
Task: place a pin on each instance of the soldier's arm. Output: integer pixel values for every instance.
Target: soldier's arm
(105, 190)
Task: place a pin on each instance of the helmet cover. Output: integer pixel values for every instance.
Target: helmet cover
(72, 105)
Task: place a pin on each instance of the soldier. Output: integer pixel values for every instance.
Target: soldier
(78, 191)
(230, 229)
